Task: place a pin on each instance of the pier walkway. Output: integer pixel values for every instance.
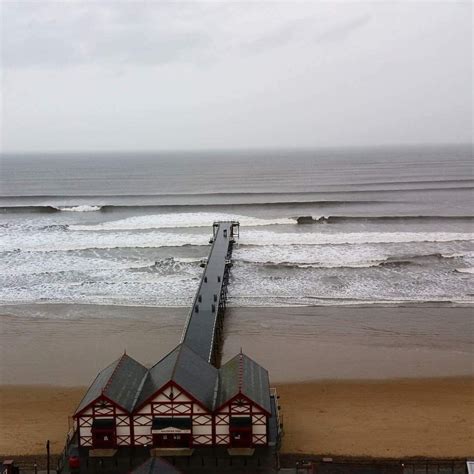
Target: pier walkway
(203, 329)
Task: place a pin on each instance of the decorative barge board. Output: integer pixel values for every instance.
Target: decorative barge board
(102, 418)
(203, 330)
(175, 406)
(243, 408)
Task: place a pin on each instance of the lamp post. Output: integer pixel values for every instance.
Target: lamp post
(47, 456)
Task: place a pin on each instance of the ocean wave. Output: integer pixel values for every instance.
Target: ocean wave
(465, 270)
(197, 205)
(48, 209)
(71, 241)
(58, 240)
(178, 220)
(388, 262)
(83, 208)
(167, 265)
(334, 188)
(291, 301)
(253, 237)
(304, 220)
(202, 219)
(351, 258)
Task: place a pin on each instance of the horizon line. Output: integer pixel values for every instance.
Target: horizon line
(238, 149)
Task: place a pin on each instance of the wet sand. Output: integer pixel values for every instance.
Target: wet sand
(68, 344)
(310, 354)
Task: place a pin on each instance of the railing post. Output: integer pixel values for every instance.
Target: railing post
(47, 456)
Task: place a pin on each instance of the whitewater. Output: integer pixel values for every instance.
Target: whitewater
(397, 231)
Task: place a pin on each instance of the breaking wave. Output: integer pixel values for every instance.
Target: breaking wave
(286, 238)
(377, 219)
(197, 205)
(83, 208)
(465, 270)
(58, 240)
(48, 209)
(335, 257)
(172, 221)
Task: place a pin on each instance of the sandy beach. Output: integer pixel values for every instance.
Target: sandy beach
(358, 381)
(68, 344)
(397, 418)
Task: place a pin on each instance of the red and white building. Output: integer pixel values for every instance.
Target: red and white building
(181, 402)
(175, 405)
(242, 408)
(102, 419)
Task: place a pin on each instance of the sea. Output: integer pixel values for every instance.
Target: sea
(348, 226)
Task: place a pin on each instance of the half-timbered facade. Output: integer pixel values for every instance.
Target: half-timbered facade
(242, 408)
(103, 416)
(176, 402)
(181, 402)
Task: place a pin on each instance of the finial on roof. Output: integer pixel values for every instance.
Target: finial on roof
(124, 352)
(241, 370)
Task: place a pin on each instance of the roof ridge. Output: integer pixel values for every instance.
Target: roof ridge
(106, 386)
(241, 371)
(173, 372)
(140, 388)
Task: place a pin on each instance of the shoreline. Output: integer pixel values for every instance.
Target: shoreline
(40, 344)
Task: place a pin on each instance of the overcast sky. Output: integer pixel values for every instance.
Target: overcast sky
(113, 75)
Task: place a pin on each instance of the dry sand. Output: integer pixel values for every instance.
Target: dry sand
(398, 418)
(30, 415)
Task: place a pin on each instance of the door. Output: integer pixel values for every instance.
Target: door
(241, 438)
(240, 429)
(103, 433)
(103, 439)
(172, 440)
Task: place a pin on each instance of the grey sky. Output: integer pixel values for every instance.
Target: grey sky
(149, 76)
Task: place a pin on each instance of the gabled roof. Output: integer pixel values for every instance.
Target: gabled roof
(120, 382)
(242, 375)
(188, 370)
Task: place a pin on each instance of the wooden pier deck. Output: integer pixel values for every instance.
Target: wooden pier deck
(203, 329)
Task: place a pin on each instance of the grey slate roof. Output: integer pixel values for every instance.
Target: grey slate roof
(120, 382)
(188, 370)
(156, 466)
(243, 375)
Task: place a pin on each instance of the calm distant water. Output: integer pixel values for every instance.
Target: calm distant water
(390, 225)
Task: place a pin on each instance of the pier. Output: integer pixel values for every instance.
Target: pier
(199, 414)
(203, 329)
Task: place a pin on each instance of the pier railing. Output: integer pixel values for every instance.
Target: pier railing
(204, 325)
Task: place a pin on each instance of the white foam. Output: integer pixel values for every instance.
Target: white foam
(63, 240)
(168, 221)
(465, 270)
(297, 238)
(83, 208)
(330, 256)
(66, 241)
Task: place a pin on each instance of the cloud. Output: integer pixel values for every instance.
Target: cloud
(342, 31)
(52, 34)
